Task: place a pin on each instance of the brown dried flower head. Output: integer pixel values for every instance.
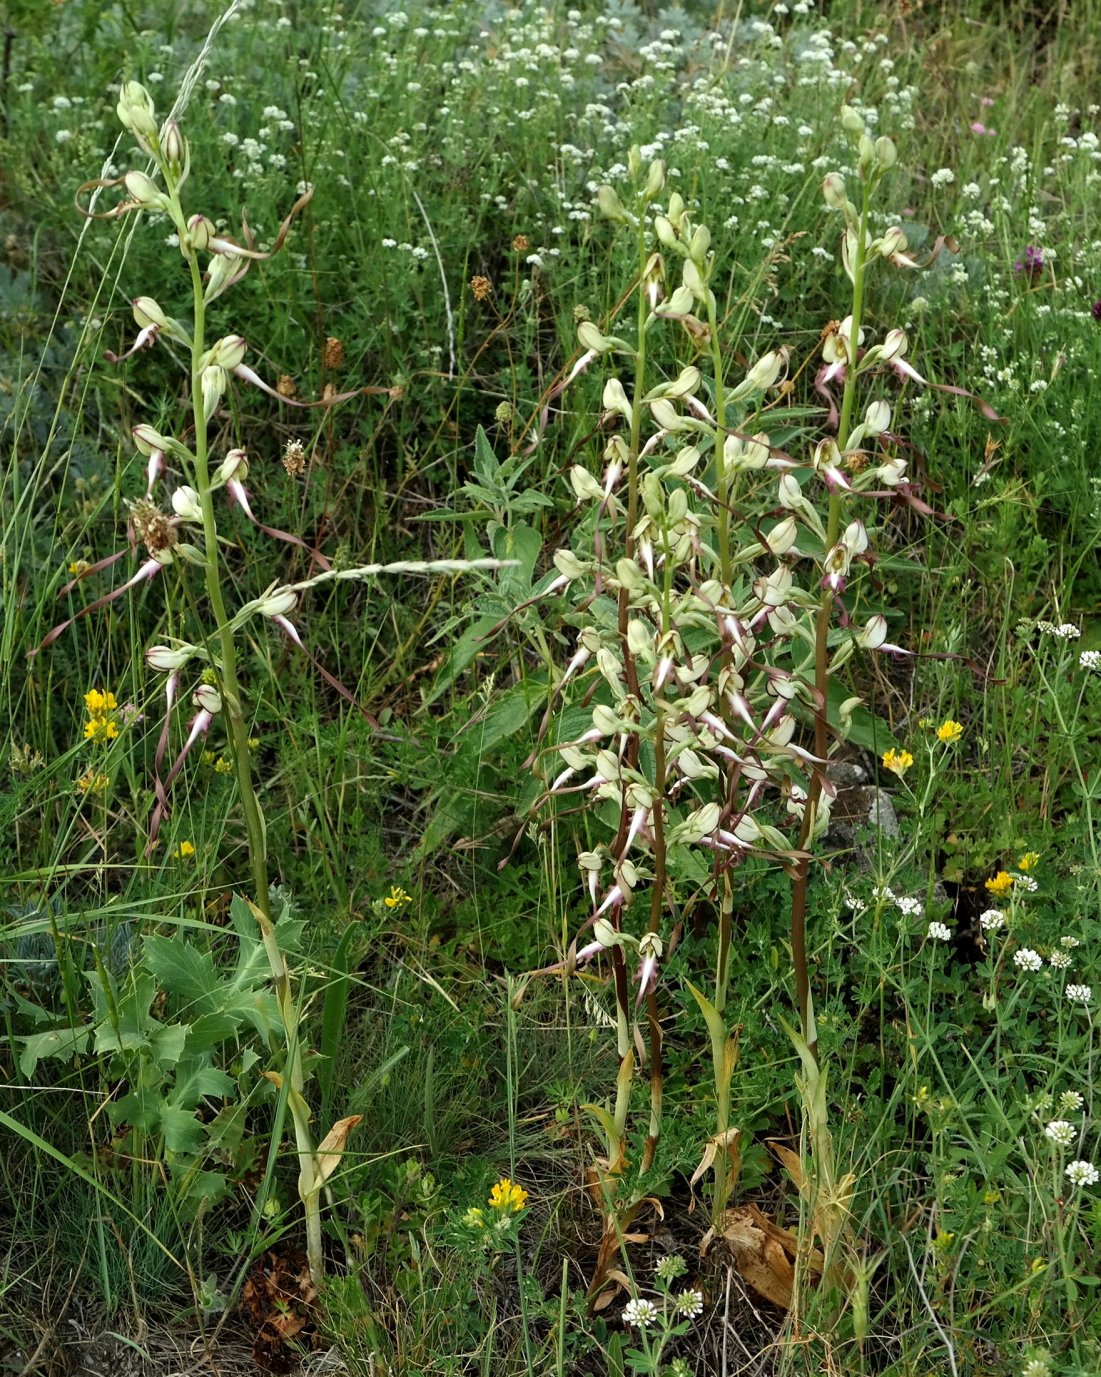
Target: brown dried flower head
(294, 458)
(153, 528)
(521, 244)
(286, 386)
(481, 287)
(332, 356)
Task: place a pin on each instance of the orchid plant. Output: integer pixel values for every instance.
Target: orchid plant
(712, 584)
(186, 536)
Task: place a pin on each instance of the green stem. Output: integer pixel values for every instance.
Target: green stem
(821, 655)
(233, 707)
(232, 699)
(722, 478)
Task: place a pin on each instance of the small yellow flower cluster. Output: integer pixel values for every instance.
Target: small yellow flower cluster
(1001, 884)
(101, 724)
(1028, 860)
(93, 782)
(507, 1198)
(397, 897)
(899, 761)
(184, 851)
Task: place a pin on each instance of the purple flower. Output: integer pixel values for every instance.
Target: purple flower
(1095, 310)
(1032, 263)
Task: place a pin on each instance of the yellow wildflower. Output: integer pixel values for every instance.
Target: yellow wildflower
(183, 851)
(898, 762)
(93, 782)
(474, 1218)
(949, 731)
(1028, 860)
(397, 897)
(1001, 884)
(100, 729)
(222, 766)
(97, 703)
(78, 567)
(507, 1197)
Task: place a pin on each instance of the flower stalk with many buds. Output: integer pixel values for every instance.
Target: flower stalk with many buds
(710, 583)
(215, 263)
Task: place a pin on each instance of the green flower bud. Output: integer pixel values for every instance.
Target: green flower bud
(851, 121)
(655, 181)
(136, 112)
(865, 155)
(149, 440)
(147, 312)
(173, 145)
(200, 231)
(833, 191)
(143, 191)
(701, 242)
(615, 399)
(611, 206)
(213, 382)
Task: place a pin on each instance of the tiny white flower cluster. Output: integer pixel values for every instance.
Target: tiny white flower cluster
(991, 920)
(1061, 1132)
(1090, 659)
(1065, 631)
(1082, 1174)
(909, 908)
(1059, 960)
(938, 932)
(1079, 994)
(640, 1313)
(1027, 959)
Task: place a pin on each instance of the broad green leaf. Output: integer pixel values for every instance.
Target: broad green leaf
(182, 1131)
(520, 542)
(485, 461)
(507, 714)
(196, 1079)
(64, 1043)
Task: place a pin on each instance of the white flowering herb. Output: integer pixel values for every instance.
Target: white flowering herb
(1082, 1174)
